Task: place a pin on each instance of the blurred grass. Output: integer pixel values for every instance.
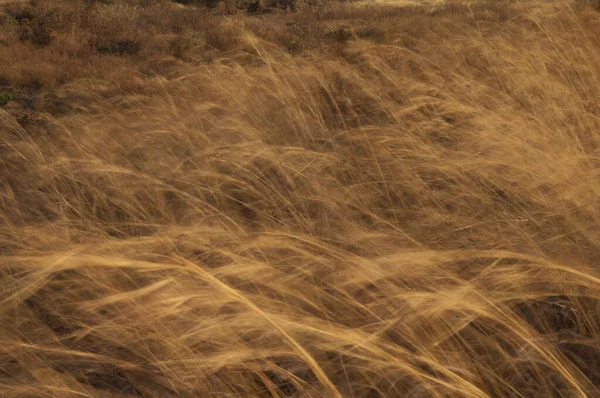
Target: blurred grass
(336, 202)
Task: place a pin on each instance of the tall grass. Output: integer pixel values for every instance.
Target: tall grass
(353, 203)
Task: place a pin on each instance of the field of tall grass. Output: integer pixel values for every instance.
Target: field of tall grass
(334, 202)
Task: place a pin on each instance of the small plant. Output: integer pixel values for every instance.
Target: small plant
(119, 47)
(186, 44)
(8, 20)
(5, 97)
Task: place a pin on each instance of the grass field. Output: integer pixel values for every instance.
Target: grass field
(336, 202)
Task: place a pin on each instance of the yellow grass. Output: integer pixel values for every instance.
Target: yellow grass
(340, 202)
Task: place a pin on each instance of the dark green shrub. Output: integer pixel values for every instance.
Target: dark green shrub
(120, 47)
(5, 97)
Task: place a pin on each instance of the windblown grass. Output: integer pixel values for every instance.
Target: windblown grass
(354, 203)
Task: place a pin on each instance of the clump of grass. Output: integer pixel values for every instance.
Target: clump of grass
(6, 97)
(185, 46)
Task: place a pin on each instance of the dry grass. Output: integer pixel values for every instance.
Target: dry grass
(349, 203)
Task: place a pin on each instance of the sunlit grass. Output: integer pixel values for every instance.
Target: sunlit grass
(349, 203)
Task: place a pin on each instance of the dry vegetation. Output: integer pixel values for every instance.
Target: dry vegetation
(337, 202)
